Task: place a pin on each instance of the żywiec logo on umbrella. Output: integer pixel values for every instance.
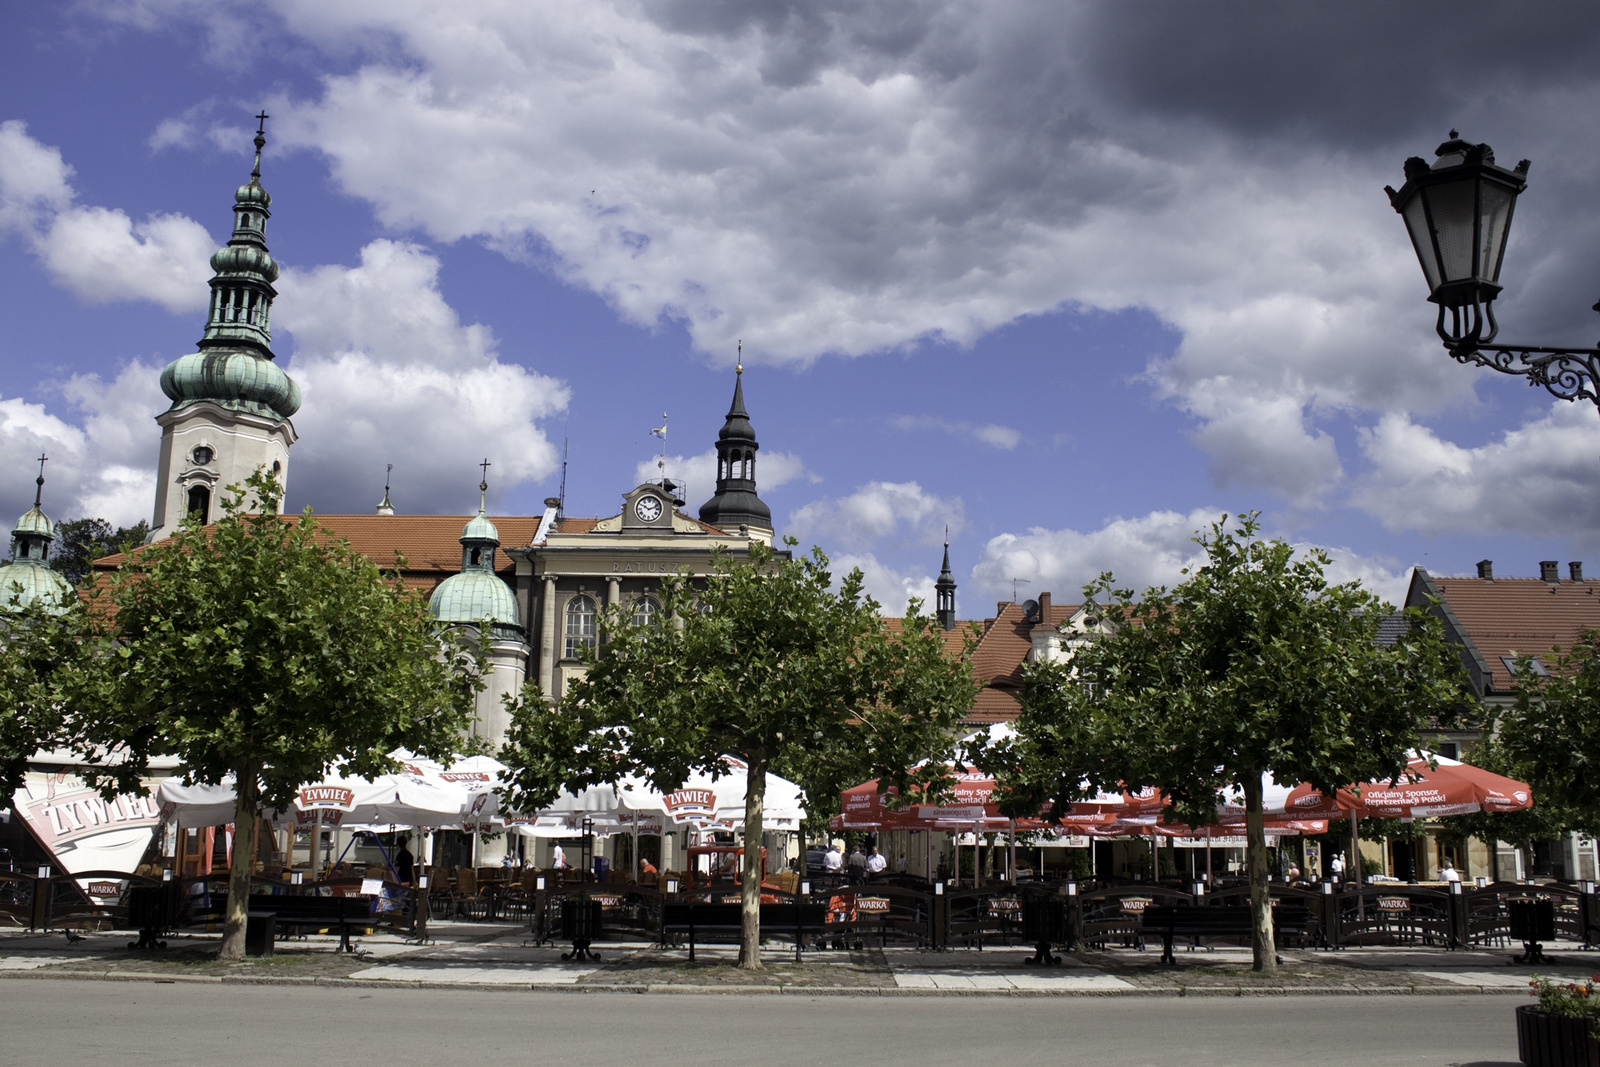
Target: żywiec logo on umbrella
(691, 804)
(465, 776)
(335, 797)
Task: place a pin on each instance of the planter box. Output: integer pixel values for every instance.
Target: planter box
(1555, 1040)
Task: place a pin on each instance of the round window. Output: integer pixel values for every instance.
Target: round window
(202, 455)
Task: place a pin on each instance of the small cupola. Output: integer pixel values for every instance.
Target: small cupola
(29, 577)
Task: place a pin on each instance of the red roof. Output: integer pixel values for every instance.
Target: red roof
(1519, 616)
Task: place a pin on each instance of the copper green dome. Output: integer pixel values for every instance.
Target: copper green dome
(251, 192)
(472, 596)
(236, 380)
(24, 582)
(28, 579)
(245, 259)
(36, 522)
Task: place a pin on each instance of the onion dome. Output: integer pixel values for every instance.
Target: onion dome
(245, 259)
(477, 593)
(238, 381)
(28, 579)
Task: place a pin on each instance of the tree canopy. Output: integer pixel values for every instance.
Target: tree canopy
(263, 648)
(79, 542)
(764, 661)
(48, 679)
(1551, 734)
(1255, 664)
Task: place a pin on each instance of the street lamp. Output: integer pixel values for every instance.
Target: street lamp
(1458, 212)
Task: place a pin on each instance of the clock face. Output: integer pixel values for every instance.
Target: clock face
(648, 508)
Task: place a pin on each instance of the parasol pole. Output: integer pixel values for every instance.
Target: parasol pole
(1209, 885)
(1011, 853)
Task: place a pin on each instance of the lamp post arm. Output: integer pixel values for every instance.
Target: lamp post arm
(1568, 373)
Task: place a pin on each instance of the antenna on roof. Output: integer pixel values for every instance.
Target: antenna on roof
(561, 507)
(1016, 582)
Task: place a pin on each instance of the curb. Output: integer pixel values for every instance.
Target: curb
(760, 990)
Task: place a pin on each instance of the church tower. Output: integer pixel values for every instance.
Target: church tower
(944, 592)
(230, 402)
(736, 503)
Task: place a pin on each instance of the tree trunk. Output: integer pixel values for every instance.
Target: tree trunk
(755, 794)
(245, 814)
(1263, 951)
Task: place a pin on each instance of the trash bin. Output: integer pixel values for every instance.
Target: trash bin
(260, 932)
(1532, 920)
(1044, 923)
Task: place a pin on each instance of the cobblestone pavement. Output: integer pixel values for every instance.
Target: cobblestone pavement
(497, 955)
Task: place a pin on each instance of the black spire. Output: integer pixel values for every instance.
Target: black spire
(944, 591)
(736, 503)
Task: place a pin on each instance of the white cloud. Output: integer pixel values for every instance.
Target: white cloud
(1541, 480)
(991, 434)
(104, 468)
(697, 475)
(100, 254)
(879, 513)
(390, 374)
(1147, 551)
(891, 588)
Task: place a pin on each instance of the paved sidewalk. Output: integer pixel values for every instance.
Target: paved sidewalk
(497, 956)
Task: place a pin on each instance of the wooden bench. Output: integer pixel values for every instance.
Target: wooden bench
(777, 920)
(1227, 920)
(306, 913)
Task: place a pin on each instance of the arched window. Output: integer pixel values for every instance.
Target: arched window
(580, 625)
(200, 503)
(477, 556)
(646, 610)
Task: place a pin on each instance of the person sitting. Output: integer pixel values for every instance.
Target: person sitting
(1449, 874)
(647, 869)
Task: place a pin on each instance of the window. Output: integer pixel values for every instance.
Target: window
(1449, 750)
(646, 610)
(580, 625)
(202, 455)
(1535, 664)
(200, 503)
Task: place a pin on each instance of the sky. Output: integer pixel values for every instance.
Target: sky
(1069, 281)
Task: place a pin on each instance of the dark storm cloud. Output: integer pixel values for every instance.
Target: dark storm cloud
(1349, 73)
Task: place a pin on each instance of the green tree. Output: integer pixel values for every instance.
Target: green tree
(264, 649)
(79, 542)
(765, 663)
(1551, 734)
(47, 677)
(1254, 664)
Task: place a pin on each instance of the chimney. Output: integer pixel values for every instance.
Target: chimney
(1548, 571)
(1575, 568)
(1044, 608)
(1486, 569)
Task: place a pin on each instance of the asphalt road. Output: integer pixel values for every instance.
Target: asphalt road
(56, 1021)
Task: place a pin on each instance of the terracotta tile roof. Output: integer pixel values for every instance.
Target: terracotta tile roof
(954, 640)
(1526, 616)
(574, 526)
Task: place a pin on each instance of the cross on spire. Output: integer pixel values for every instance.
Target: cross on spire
(38, 492)
(483, 486)
(261, 122)
(738, 367)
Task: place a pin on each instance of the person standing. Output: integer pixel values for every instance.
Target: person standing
(558, 857)
(1449, 874)
(858, 866)
(876, 864)
(404, 865)
(833, 859)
